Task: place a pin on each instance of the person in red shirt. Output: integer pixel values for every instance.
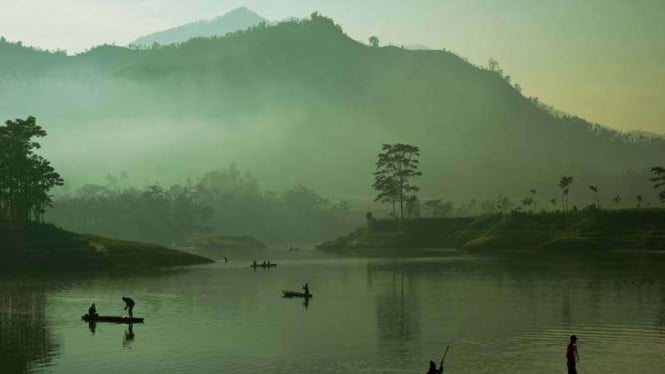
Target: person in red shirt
(572, 357)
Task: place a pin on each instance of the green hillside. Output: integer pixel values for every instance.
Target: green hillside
(301, 102)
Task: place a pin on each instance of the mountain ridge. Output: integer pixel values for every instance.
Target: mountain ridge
(305, 88)
(235, 20)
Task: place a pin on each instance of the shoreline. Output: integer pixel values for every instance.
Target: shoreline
(34, 247)
(615, 230)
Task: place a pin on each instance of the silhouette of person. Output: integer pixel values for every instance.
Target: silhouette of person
(129, 305)
(226, 260)
(306, 288)
(92, 311)
(572, 357)
(433, 369)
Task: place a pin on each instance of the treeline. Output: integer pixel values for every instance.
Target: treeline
(224, 201)
(25, 177)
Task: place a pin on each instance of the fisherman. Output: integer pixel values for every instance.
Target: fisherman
(433, 369)
(129, 305)
(306, 288)
(92, 311)
(254, 264)
(226, 260)
(572, 357)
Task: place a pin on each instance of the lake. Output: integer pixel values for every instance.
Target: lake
(507, 314)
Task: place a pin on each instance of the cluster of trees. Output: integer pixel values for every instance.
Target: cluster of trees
(225, 201)
(397, 167)
(25, 177)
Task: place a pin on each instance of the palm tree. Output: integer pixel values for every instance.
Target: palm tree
(617, 200)
(564, 184)
(639, 199)
(594, 188)
(528, 202)
(533, 196)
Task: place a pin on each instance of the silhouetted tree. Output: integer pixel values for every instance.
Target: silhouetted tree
(564, 184)
(25, 178)
(493, 66)
(397, 165)
(617, 200)
(413, 207)
(527, 202)
(639, 199)
(659, 181)
(374, 41)
(594, 188)
(533, 196)
(553, 201)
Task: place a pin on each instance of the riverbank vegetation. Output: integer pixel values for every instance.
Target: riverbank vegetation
(504, 225)
(225, 201)
(625, 229)
(28, 244)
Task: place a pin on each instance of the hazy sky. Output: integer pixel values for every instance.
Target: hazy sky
(601, 59)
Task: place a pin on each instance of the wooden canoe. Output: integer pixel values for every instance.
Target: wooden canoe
(113, 319)
(296, 294)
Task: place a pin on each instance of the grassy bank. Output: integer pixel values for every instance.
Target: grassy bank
(593, 229)
(46, 248)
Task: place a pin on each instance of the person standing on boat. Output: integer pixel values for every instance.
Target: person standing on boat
(92, 311)
(433, 369)
(129, 305)
(572, 357)
(306, 288)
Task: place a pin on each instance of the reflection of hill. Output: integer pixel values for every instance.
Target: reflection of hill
(25, 338)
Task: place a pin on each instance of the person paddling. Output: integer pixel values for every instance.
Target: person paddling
(572, 357)
(129, 305)
(306, 288)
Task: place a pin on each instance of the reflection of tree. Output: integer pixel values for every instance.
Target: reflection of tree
(24, 336)
(396, 309)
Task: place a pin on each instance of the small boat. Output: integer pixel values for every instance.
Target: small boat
(113, 319)
(262, 265)
(296, 294)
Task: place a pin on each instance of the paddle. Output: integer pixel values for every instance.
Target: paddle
(444, 356)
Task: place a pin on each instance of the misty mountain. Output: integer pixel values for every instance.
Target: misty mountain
(235, 20)
(301, 102)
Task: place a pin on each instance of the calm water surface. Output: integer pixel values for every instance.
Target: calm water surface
(387, 315)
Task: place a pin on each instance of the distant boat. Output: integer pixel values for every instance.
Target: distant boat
(113, 319)
(294, 249)
(296, 294)
(262, 266)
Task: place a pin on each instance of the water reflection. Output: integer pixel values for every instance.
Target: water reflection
(92, 325)
(129, 335)
(25, 336)
(396, 303)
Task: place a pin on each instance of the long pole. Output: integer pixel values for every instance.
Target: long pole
(444, 355)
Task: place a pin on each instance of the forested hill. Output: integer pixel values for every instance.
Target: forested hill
(301, 102)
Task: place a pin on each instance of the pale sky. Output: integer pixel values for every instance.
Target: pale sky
(603, 60)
